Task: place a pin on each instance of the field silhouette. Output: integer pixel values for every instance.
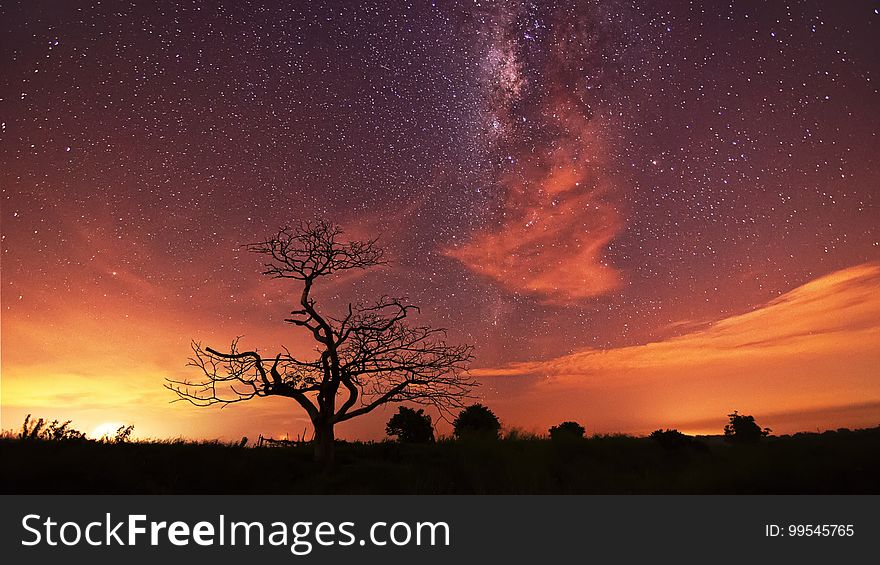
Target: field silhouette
(840, 461)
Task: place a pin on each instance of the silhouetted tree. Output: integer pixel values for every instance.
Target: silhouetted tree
(410, 426)
(367, 356)
(743, 429)
(567, 431)
(476, 421)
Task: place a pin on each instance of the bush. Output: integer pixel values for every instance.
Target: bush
(743, 429)
(671, 439)
(55, 431)
(410, 426)
(123, 434)
(567, 431)
(476, 421)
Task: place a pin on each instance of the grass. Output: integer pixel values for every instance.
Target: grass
(833, 462)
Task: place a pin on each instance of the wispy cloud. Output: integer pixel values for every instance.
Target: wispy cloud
(837, 312)
(559, 220)
(817, 345)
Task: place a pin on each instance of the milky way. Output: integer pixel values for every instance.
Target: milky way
(542, 70)
(552, 180)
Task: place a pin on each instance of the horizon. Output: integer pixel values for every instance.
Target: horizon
(106, 431)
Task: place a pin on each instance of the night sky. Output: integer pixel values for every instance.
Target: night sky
(641, 214)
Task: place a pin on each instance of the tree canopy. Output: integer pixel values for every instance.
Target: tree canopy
(476, 421)
(410, 426)
(743, 429)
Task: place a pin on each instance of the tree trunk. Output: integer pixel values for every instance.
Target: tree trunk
(324, 440)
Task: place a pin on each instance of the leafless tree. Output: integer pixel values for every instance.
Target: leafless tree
(367, 356)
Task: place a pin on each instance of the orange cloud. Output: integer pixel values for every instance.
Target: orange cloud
(814, 347)
(558, 219)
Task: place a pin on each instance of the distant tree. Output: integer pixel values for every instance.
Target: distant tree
(743, 429)
(476, 421)
(671, 439)
(410, 426)
(368, 354)
(567, 431)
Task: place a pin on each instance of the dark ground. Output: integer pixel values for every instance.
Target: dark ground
(832, 462)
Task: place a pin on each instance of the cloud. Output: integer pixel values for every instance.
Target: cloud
(815, 346)
(558, 221)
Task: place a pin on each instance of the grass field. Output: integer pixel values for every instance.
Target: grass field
(832, 462)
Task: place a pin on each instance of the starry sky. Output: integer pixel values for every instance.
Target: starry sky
(642, 214)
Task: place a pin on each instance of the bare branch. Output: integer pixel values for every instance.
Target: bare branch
(314, 249)
(228, 378)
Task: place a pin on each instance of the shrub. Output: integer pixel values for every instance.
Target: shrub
(123, 434)
(476, 421)
(671, 439)
(55, 431)
(31, 429)
(410, 426)
(567, 431)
